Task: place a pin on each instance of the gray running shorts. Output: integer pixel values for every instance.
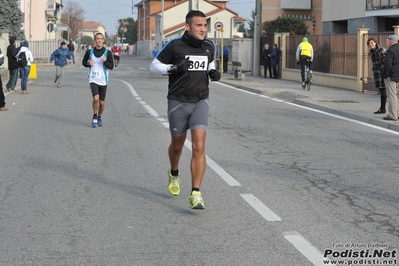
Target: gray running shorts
(183, 116)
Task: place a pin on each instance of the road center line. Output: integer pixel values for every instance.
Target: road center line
(211, 163)
(261, 208)
(305, 247)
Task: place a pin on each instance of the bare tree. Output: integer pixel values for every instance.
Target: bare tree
(73, 15)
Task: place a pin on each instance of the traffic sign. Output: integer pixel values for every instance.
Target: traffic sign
(60, 28)
(218, 26)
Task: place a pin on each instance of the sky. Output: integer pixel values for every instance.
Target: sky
(109, 11)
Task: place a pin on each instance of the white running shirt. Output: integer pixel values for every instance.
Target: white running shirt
(98, 73)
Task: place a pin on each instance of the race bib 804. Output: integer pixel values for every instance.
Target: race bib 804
(198, 62)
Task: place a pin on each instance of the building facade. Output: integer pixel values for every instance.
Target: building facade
(308, 10)
(150, 19)
(41, 19)
(342, 16)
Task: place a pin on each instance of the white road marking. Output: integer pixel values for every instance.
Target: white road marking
(315, 110)
(211, 163)
(306, 248)
(299, 242)
(261, 208)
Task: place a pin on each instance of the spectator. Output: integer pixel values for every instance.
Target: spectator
(2, 98)
(154, 52)
(25, 70)
(377, 55)
(391, 75)
(225, 58)
(275, 58)
(71, 48)
(267, 60)
(12, 65)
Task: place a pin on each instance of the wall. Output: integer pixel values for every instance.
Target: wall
(343, 9)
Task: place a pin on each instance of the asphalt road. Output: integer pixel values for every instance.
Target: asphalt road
(284, 185)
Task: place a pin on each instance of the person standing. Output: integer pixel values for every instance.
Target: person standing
(225, 59)
(2, 98)
(391, 75)
(116, 51)
(303, 53)
(25, 70)
(377, 55)
(154, 52)
(275, 58)
(71, 48)
(12, 65)
(266, 60)
(60, 58)
(99, 61)
(188, 60)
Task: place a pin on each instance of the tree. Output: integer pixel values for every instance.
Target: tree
(251, 23)
(87, 40)
(295, 26)
(73, 16)
(10, 18)
(241, 28)
(128, 29)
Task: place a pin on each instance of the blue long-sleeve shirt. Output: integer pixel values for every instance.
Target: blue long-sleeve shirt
(61, 56)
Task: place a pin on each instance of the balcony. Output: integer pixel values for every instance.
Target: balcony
(381, 4)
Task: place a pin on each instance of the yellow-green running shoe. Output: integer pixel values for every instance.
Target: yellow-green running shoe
(195, 201)
(174, 184)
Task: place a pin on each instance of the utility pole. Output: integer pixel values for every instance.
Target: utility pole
(162, 21)
(257, 22)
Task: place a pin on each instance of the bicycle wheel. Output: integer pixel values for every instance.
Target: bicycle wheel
(309, 81)
(308, 84)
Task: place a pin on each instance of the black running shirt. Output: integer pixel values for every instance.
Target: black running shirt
(193, 85)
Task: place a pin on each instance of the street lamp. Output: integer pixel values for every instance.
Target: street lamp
(117, 26)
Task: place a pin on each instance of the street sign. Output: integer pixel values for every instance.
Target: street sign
(218, 26)
(60, 28)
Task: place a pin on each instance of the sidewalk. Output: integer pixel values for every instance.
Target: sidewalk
(350, 104)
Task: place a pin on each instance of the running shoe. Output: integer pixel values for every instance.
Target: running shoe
(94, 122)
(195, 201)
(100, 122)
(174, 184)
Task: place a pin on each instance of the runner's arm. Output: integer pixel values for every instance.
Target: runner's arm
(85, 59)
(110, 61)
(159, 67)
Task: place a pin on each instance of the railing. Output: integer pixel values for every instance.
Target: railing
(333, 54)
(381, 4)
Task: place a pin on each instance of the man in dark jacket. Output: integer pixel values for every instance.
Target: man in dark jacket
(2, 99)
(275, 58)
(391, 73)
(12, 65)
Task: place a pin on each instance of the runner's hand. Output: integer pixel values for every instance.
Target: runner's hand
(181, 67)
(214, 74)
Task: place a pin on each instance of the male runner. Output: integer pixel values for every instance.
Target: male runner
(116, 51)
(188, 60)
(99, 62)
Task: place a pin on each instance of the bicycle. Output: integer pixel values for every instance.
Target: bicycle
(308, 75)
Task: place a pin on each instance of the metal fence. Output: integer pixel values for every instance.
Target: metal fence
(333, 54)
(41, 50)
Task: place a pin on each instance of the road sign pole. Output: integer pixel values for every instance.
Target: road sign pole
(222, 53)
